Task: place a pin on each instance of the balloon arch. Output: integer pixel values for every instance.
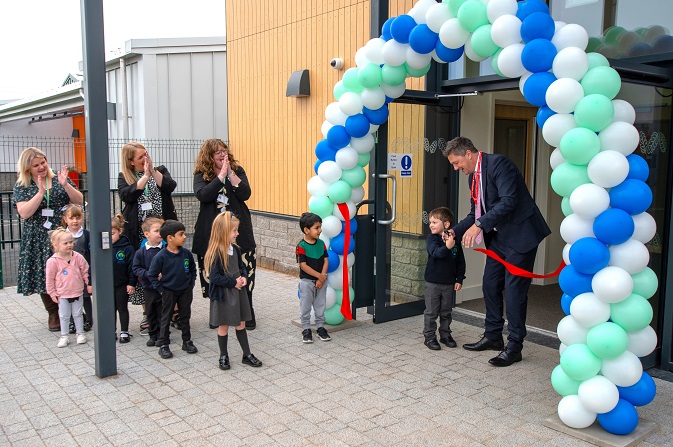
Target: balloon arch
(606, 282)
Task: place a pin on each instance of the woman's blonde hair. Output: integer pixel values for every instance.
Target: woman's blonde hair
(73, 211)
(219, 244)
(56, 236)
(128, 153)
(118, 223)
(204, 161)
(23, 165)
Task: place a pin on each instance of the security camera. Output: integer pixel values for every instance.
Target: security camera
(337, 63)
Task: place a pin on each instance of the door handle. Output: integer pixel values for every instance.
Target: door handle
(393, 201)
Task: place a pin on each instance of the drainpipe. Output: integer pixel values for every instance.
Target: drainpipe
(124, 102)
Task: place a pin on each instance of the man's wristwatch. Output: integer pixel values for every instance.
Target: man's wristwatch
(477, 223)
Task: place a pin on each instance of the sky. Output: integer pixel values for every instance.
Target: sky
(40, 40)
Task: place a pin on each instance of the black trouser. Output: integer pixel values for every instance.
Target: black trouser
(169, 299)
(153, 311)
(122, 307)
(88, 309)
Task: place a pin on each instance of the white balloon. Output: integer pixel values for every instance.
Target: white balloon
(608, 168)
(346, 158)
(573, 413)
(363, 145)
(437, 15)
(361, 58)
(335, 279)
(350, 260)
(510, 65)
(571, 35)
(329, 172)
(566, 253)
(598, 394)
(351, 211)
(612, 284)
(624, 370)
(624, 111)
(499, 8)
(452, 34)
(421, 9)
(562, 347)
(563, 95)
(372, 98)
(588, 310)
(589, 200)
(330, 299)
(350, 104)
(334, 115)
(331, 226)
(571, 62)
(394, 52)
(574, 228)
(558, 25)
(469, 52)
(373, 127)
(619, 136)
(417, 60)
(394, 91)
(316, 186)
(631, 256)
(642, 342)
(358, 194)
(326, 126)
(645, 227)
(555, 127)
(506, 30)
(374, 50)
(556, 158)
(570, 332)
(323, 237)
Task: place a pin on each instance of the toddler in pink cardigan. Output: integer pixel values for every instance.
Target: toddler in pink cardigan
(67, 274)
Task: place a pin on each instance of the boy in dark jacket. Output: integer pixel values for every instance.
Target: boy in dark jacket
(124, 278)
(444, 275)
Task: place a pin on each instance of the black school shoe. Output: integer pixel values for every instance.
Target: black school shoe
(432, 344)
(448, 341)
(189, 347)
(165, 352)
(152, 342)
(224, 362)
(251, 360)
(307, 336)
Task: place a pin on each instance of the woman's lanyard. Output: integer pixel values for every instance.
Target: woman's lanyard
(46, 181)
(146, 191)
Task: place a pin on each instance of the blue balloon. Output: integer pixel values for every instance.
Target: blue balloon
(422, 39)
(324, 152)
(337, 244)
(663, 44)
(529, 7)
(448, 54)
(401, 28)
(613, 226)
(640, 49)
(385, 29)
(638, 167)
(378, 116)
(573, 282)
(538, 25)
(357, 126)
(589, 255)
(633, 196)
(641, 393)
(621, 420)
(338, 137)
(354, 226)
(538, 55)
(316, 166)
(535, 88)
(543, 115)
(332, 261)
(389, 99)
(565, 303)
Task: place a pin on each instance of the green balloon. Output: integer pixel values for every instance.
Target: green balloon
(321, 205)
(481, 41)
(351, 81)
(565, 206)
(339, 90)
(370, 76)
(607, 340)
(340, 295)
(641, 31)
(579, 145)
(645, 283)
(494, 63)
(354, 177)
(632, 314)
(363, 159)
(339, 191)
(603, 81)
(333, 315)
(579, 363)
(454, 6)
(393, 75)
(567, 176)
(594, 42)
(597, 60)
(594, 112)
(472, 14)
(417, 72)
(612, 34)
(563, 384)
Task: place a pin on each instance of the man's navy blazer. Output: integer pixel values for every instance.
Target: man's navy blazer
(509, 207)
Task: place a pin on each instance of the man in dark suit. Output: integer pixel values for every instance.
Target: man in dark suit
(512, 226)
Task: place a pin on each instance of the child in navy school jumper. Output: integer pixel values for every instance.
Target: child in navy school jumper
(444, 275)
(173, 274)
(141, 264)
(124, 279)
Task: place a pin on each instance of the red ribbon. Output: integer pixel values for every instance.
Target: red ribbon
(517, 271)
(345, 297)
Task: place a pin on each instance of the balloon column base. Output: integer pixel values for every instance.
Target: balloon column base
(596, 435)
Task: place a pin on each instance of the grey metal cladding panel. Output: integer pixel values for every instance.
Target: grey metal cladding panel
(220, 117)
(180, 95)
(161, 108)
(133, 92)
(113, 93)
(203, 106)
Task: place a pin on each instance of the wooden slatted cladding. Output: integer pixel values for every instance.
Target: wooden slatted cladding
(272, 135)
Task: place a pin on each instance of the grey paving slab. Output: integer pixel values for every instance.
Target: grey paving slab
(373, 385)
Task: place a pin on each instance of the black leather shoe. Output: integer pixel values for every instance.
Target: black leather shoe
(224, 362)
(251, 360)
(189, 347)
(484, 345)
(505, 358)
(251, 325)
(165, 352)
(432, 344)
(448, 341)
(151, 342)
